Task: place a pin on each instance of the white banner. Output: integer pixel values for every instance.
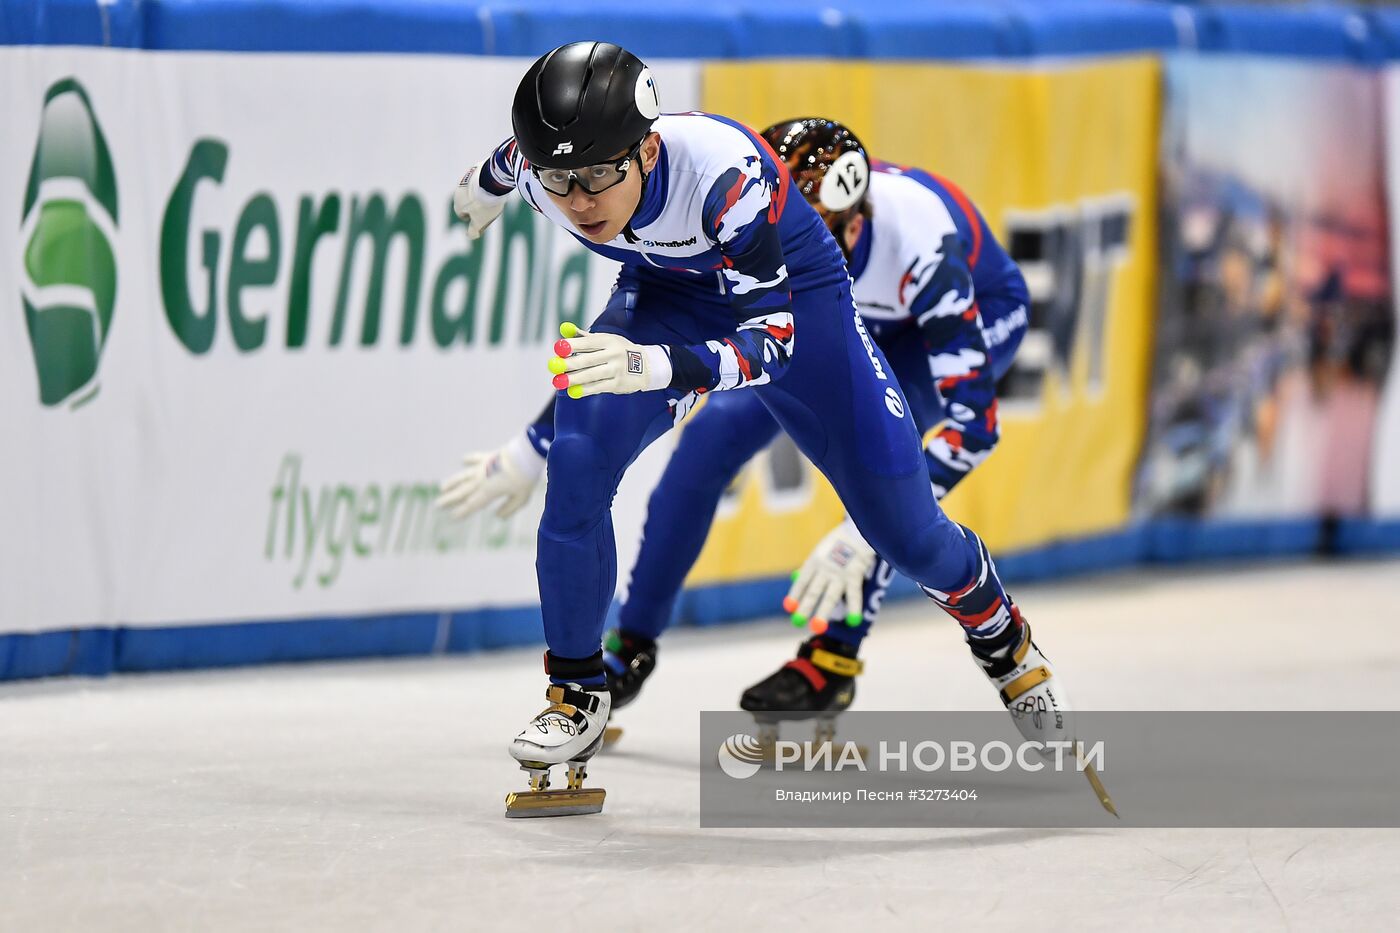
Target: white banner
(244, 338)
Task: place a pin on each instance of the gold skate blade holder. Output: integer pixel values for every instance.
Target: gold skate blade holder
(824, 734)
(531, 803)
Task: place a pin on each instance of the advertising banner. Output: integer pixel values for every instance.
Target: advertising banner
(1275, 324)
(1061, 160)
(246, 337)
(1385, 464)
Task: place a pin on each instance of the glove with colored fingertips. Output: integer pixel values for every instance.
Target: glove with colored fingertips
(834, 572)
(587, 364)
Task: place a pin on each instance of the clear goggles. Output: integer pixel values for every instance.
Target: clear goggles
(593, 179)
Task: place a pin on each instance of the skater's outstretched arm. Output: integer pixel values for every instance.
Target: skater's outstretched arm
(509, 473)
(945, 307)
(480, 196)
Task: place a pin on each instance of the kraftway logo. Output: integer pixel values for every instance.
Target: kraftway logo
(669, 244)
(68, 284)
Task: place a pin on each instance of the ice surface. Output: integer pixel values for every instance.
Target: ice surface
(370, 795)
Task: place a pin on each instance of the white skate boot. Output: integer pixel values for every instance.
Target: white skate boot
(1029, 691)
(569, 731)
(1036, 701)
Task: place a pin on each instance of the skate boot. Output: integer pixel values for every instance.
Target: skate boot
(819, 684)
(569, 732)
(629, 660)
(1035, 699)
(1028, 688)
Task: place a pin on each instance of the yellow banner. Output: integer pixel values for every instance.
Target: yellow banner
(1061, 161)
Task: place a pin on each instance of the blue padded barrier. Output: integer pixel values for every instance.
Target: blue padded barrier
(1332, 32)
(1367, 536)
(1385, 28)
(1185, 539)
(877, 29)
(239, 643)
(71, 22)
(90, 652)
(654, 29)
(429, 26)
(891, 31)
(794, 29)
(1062, 28)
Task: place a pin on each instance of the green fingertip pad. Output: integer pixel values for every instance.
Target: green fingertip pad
(613, 642)
(568, 329)
(795, 575)
(557, 365)
(575, 391)
(798, 620)
(853, 619)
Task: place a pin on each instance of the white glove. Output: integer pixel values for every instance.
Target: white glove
(511, 472)
(590, 364)
(477, 209)
(836, 570)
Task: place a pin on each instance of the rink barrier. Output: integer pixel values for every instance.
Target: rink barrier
(97, 652)
(845, 29)
(879, 30)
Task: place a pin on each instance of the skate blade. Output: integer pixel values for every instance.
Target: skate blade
(530, 803)
(1096, 783)
(611, 735)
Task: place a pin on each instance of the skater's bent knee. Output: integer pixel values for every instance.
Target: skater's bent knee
(581, 485)
(937, 552)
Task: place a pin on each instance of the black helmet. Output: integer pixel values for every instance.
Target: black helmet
(583, 103)
(827, 162)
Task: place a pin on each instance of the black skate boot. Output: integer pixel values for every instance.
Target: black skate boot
(628, 660)
(820, 684)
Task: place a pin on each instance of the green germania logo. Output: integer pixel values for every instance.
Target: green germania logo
(69, 280)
